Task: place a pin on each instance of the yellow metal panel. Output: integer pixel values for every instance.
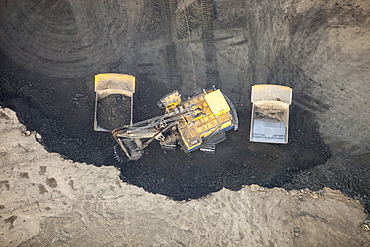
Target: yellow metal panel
(110, 83)
(217, 102)
(205, 134)
(194, 146)
(199, 123)
(224, 118)
(225, 125)
(212, 124)
(202, 128)
(171, 100)
(271, 92)
(206, 118)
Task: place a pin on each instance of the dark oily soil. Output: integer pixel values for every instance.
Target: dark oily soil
(113, 111)
(237, 161)
(51, 50)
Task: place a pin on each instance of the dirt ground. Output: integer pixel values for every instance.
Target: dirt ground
(50, 53)
(51, 201)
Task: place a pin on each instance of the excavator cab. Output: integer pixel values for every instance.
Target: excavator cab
(170, 101)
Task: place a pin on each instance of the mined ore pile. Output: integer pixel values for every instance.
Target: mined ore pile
(113, 111)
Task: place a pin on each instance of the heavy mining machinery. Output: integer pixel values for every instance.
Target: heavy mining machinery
(197, 122)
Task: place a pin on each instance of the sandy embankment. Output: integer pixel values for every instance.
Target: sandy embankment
(48, 201)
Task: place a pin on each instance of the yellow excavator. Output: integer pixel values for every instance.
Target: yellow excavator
(197, 122)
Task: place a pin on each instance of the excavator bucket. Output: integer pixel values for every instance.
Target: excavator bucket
(114, 101)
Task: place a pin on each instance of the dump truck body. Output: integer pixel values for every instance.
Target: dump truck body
(270, 113)
(114, 101)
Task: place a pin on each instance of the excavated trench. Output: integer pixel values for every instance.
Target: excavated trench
(50, 53)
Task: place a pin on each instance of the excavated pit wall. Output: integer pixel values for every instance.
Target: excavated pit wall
(51, 52)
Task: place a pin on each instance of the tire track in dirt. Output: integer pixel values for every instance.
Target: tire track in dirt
(166, 13)
(37, 32)
(208, 40)
(66, 38)
(179, 25)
